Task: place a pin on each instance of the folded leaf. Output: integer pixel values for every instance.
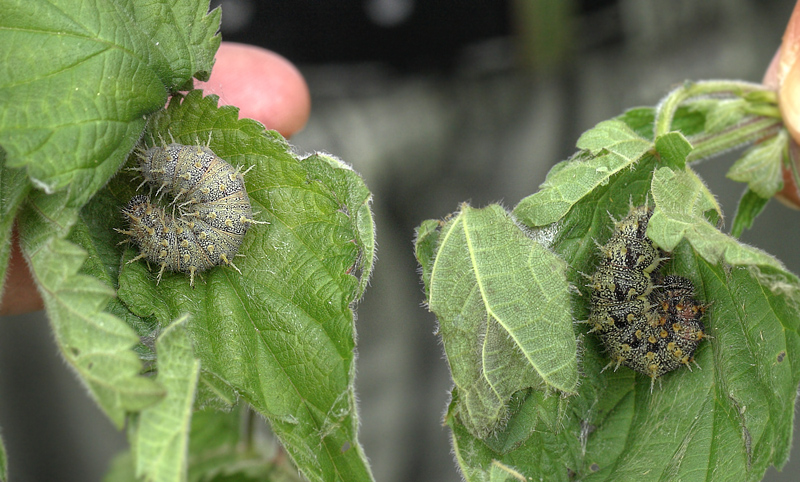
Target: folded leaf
(499, 297)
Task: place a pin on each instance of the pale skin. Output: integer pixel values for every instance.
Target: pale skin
(265, 86)
(783, 75)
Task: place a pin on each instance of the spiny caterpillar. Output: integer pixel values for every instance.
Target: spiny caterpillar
(213, 210)
(647, 321)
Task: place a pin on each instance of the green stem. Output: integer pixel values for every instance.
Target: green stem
(246, 439)
(750, 130)
(666, 110)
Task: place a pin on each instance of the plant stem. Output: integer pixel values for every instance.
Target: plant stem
(666, 109)
(753, 129)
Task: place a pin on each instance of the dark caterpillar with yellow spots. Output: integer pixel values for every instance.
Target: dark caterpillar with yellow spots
(647, 321)
(210, 210)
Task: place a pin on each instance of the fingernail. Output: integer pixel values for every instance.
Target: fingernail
(790, 99)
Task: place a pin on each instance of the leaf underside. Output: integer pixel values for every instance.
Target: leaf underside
(499, 296)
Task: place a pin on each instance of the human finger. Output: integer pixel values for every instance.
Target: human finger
(265, 86)
(783, 75)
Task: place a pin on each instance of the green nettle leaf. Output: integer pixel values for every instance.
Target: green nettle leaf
(723, 113)
(184, 35)
(503, 473)
(121, 469)
(760, 167)
(221, 444)
(95, 343)
(425, 248)
(80, 78)
(499, 296)
(673, 149)
(614, 146)
(750, 206)
(161, 438)
(728, 419)
(280, 334)
(531, 411)
(222, 447)
(614, 136)
(341, 178)
(687, 120)
(214, 392)
(3, 463)
(544, 454)
(640, 120)
(682, 200)
(78, 89)
(739, 399)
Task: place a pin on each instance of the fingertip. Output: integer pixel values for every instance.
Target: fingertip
(784, 73)
(20, 294)
(262, 84)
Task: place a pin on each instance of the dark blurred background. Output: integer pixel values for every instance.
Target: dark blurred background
(434, 102)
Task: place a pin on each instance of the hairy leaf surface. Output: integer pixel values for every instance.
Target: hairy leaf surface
(729, 418)
(281, 333)
(499, 297)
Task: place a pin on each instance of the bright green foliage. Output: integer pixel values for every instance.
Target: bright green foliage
(672, 149)
(760, 166)
(609, 148)
(221, 444)
(286, 321)
(750, 206)
(683, 200)
(3, 463)
(95, 342)
(500, 297)
(503, 473)
(82, 75)
(728, 420)
(185, 39)
(162, 434)
(78, 88)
